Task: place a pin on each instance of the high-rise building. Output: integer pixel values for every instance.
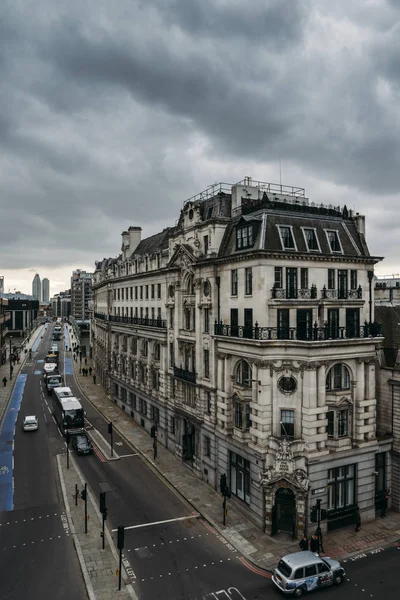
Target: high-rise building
(45, 290)
(37, 288)
(61, 304)
(81, 294)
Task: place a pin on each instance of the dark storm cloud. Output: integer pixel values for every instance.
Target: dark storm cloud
(111, 113)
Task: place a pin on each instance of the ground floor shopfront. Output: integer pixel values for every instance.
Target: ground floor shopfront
(278, 499)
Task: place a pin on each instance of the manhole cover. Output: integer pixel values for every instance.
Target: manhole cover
(248, 536)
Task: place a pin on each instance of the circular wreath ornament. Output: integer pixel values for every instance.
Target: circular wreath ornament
(287, 385)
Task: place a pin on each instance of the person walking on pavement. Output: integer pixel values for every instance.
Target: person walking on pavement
(4, 380)
(303, 543)
(314, 544)
(85, 360)
(357, 518)
(90, 371)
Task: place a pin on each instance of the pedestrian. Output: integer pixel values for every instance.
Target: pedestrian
(303, 543)
(357, 518)
(314, 544)
(66, 348)
(4, 380)
(86, 372)
(386, 495)
(94, 378)
(90, 371)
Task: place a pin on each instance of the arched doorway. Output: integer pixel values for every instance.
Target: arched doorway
(285, 511)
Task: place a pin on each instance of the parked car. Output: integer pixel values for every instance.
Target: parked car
(30, 423)
(305, 571)
(82, 444)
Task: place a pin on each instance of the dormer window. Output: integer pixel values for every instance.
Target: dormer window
(287, 239)
(333, 240)
(244, 237)
(311, 239)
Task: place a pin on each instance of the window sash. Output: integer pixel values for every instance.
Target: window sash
(249, 281)
(234, 282)
(287, 238)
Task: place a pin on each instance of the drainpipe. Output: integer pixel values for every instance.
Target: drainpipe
(370, 277)
(218, 282)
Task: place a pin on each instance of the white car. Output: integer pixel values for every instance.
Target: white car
(30, 423)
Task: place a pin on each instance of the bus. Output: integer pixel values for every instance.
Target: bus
(68, 411)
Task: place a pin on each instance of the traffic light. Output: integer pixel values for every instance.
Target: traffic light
(323, 514)
(154, 431)
(68, 438)
(314, 515)
(102, 502)
(105, 513)
(110, 428)
(120, 538)
(83, 494)
(223, 486)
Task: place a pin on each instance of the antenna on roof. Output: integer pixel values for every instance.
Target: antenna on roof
(280, 173)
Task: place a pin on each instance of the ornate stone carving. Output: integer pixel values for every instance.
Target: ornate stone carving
(284, 458)
(284, 469)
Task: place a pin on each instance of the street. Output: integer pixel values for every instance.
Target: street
(170, 552)
(37, 553)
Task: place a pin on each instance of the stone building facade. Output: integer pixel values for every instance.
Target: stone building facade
(246, 333)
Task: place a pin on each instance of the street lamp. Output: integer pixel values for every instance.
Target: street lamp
(11, 368)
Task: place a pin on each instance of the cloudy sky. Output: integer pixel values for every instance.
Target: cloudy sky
(113, 113)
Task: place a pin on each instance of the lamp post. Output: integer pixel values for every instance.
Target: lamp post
(11, 368)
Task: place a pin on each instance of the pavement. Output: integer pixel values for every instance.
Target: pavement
(262, 550)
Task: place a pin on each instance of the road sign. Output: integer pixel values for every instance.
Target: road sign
(318, 491)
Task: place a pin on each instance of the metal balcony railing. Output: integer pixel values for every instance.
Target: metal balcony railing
(100, 316)
(184, 374)
(160, 323)
(311, 334)
(311, 293)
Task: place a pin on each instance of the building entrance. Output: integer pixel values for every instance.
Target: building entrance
(285, 511)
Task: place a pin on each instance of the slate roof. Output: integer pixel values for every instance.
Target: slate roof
(154, 243)
(353, 244)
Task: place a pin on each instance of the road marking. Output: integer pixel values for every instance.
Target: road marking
(127, 455)
(194, 516)
(254, 569)
(99, 456)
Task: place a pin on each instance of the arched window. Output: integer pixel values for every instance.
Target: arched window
(338, 378)
(243, 373)
(157, 352)
(134, 345)
(145, 348)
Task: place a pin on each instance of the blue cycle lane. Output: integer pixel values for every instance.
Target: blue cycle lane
(7, 445)
(67, 360)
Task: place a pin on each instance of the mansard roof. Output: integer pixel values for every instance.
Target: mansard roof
(154, 243)
(267, 233)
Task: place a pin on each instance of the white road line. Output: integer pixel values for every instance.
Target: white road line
(128, 455)
(196, 516)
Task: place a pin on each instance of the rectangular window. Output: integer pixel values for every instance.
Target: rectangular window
(333, 323)
(352, 322)
(144, 411)
(141, 292)
(278, 282)
(153, 313)
(343, 423)
(283, 324)
(151, 412)
(205, 239)
(171, 318)
(136, 292)
(147, 292)
(152, 291)
(248, 273)
(234, 282)
(287, 423)
(244, 237)
(304, 279)
(206, 360)
(208, 403)
(311, 240)
(330, 415)
(156, 414)
(291, 283)
(353, 279)
(304, 324)
(341, 487)
(147, 312)
(331, 279)
(122, 294)
(287, 238)
(207, 446)
(172, 425)
(240, 477)
(115, 294)
(239, 415)
(159, 290)
(206, 316)
(187, 318)
(342, 284)
(333, 240)
(159, 313)
(119, 294)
